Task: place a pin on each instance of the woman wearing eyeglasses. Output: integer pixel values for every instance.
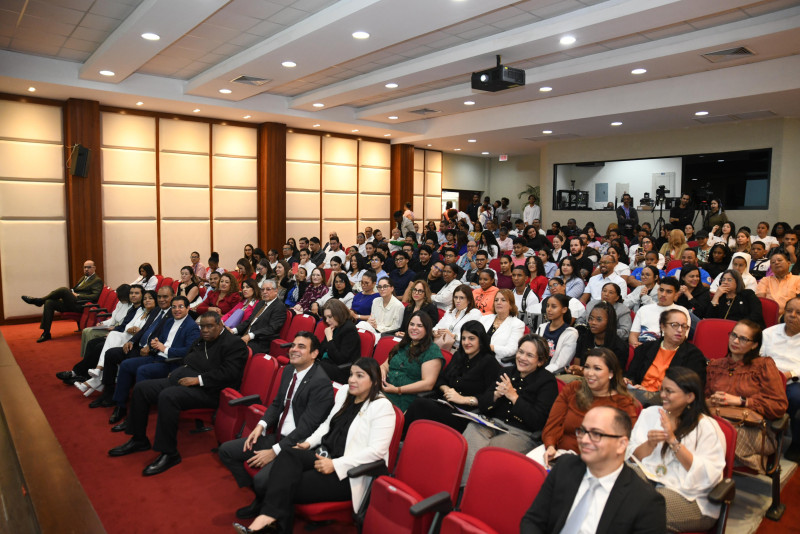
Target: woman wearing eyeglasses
(418, 298)
(446, 333)
(745, 379)
(682, 449)
(734, 301)
(386, 314)
(652, 359)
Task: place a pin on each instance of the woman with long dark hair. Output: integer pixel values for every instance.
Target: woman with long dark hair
(600, 332)
(356, 269)
(298, 288)
(489, 243)
(560, 336)
(732, 300)
(314, 291)
(340, 290)
(694, 296)
(446, 331)
(715, 217)
(537, 275)
(251, 294)
(282, 273)
(418, 298)
(189, 284)
(682, 449)
(471, 372)
(358, 431)
(341, 343)
(147, 277)
(719, 258)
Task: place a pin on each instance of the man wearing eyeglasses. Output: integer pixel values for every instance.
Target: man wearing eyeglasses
(645, 324)
(596, 492)
(265, 323)
(65, 299)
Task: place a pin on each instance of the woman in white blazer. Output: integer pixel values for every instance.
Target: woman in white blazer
(358, 431)
(503, 327)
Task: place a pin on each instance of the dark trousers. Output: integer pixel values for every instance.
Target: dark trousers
(61, 300)
(90, 357)
(793, 394)
(233, 457)
(428, 408)
(295, 481)
(134, 370)
(170, 400)
(114, 357)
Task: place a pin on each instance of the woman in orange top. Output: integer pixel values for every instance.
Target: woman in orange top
(484, 295)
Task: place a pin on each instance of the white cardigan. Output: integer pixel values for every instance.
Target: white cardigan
(506, 338)
(368, 439)
(565, 349)
(450, 322)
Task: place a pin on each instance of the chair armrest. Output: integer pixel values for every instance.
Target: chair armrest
(439, 503)
(723, 492)
(244, 401)
(173, 360)
(285, 345)
(780, 424)
(102, 315)
(89, 304)
(347, 365)
(426, 394)
(97, 310)
(372, 469)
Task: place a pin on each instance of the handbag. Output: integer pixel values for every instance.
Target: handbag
(740, 416)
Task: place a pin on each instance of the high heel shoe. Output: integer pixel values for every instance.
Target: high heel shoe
(98, 373)
(83, 386)
(271, 528)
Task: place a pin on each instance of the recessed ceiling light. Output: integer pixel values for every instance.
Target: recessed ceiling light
(469, 103)
(547, 132)
(485, 153)
(225, 91)
(456, 149)
(318, 105)
(354, 131)
(196, 110)
(392, 117)
(31, 89)
(140, 103)
(430, 144)
(472, 140)
(545, 89)
(151, 36)
(289, 64)
(567, 40)
(391, 85)
(315, 126)
(701, 113)
(616, 123)
(246, 117)
(720, 160)
(107, 72)
(387, 135)
(360, 35)
(638, 71)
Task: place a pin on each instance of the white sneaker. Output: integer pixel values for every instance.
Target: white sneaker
(96, 372)
(81, 386)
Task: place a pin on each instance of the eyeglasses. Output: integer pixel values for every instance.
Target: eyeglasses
(435, 268)
(178, 307)
(594, 436)
(419, 291)
(733, 337)
(679, 326)
(384, 286)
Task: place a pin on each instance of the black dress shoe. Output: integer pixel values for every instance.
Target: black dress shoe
(250, 511)
(118, 415)
(44, 337)
(64, 375)
(161, 464)
(272, 528)
(33, 300)
(122, 427)
(130, 447)
(75, 378)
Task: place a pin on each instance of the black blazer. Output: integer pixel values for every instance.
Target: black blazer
(687, 355)
(89, 291)
(268, 326)
(137, 340)
(633, 505)
(536, 397)
(345, 347)
(616, 345)
(220, 362)
(746, 305)
(311, 402)
(430, 309)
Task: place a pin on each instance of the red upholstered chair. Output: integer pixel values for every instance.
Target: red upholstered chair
(432, 461)
(561, 384)
(385, 344)
(691, 244)
(441, 313)
(550, 238)
(82, 318)
(492, 508)
(769, 308)
(367, 343)
(257, 382)
(342, 511)
(495, 265)
(630, 356)
(299, 324)
(164, 281)
(95, 313)
(673, 264)
(175, 285)
(319, 331)
(711, 337)
(447, 357)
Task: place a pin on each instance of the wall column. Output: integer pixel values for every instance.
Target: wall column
(84, 204)
(402, 176)
(271, 188)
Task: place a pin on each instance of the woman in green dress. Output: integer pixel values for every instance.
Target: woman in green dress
(413, 364)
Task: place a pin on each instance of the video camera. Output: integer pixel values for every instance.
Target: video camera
(661, 193)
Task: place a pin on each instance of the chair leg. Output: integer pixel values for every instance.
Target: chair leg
(199, 427)
(776, 509)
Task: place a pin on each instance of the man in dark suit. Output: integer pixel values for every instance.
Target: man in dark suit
(304, 399)
(215, 362)
(65, 299)
(266, 321)
(596, 492)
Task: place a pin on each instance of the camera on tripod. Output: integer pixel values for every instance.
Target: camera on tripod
(661, 193)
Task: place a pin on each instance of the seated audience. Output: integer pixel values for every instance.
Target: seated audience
(118, 315)
(198, 268)
(313, 293)
(574, 284)
(518, 402)
(652, 359)
(675, 245)
(529, 309)
(558, 333)
(335, 268)
(243, 309)
(556, 286)
(298, 287)
(646, 292)
(402, 275)
(341, 345)
(189, 285)
(610, 294)
(650, 260)
(601, 332)
(214, 363)
(475, 268)
(222, 300)
(244, 270)
(450, 280)
(357, 268)
(334, 250)
(719, 257)
(376, 262)
(693, 295)
(386, 314)
(147, 276)
(689, 259)
(263, 271)
(646, 325)
(265, 322)
(607, 274)
(413, 364)
(504, 280)
(484, 294)
(446, 331)
(503, 327)
(681, 449)
(759, 265)
(304, 257)
(638, 254)
(733, 301)
(782, 285)
(340, 290)
(537, 275)
(417, 298)
(549, 265)
(602, 386)
(362, 301)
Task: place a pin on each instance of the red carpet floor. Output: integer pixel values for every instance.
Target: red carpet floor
(199, 495)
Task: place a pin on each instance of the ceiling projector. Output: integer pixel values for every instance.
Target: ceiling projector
(498, 78)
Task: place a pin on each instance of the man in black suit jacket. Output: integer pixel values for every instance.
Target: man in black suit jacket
(304, 399)
(214, 362)
(266, 321)
(65, 299)
(617, 500)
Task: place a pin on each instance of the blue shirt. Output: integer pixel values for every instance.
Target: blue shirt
(705, 278)
(637, 273)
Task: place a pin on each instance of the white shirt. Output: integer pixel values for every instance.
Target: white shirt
(118, 315)
(308, 266)
(784, 350)
(388, 317)
(530, 213)
(769, 241)
(444, 298)
(596, 283)
(330, 254)
(647, 318)
(171, 337)
(152, 282)
(598, 504)
(531, 302)
(288, 424)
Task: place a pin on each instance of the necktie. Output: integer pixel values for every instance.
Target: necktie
(152, 328)
(287, 405)
(575, 519)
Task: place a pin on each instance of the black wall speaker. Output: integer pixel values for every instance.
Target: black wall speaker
(79, 162)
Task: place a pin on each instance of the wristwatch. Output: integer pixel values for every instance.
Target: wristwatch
(742, 402)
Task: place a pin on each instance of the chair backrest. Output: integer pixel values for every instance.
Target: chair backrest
(630, 356)
(367, 343)
(319, 330)
(501, 506)
(259, 377)
(441, 313)
(711, 337)
(769, 308)
(300, 323)
(447, 357)
(166, 281)
(385, 344)
(252, 416)
(432, 459)
(561, 384)
(286, 325)
(394, 445)
(550, 238)
(673, 264)
(730, 444)
(276, 382)
(495, 265)
(175, 285)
